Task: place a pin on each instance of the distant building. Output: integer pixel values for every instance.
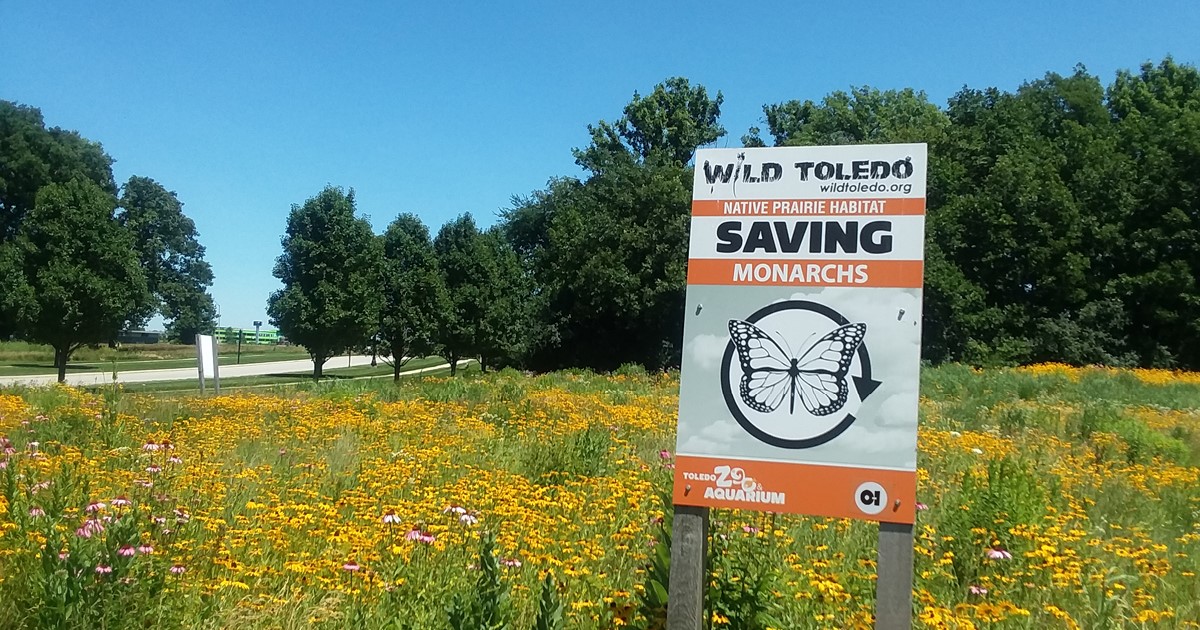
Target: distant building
(139, 336)
(265, 337)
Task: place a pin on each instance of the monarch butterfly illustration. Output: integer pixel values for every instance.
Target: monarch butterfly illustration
(817, 376)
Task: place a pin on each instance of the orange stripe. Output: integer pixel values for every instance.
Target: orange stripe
(806, 207)
(805, 488)
(810, 273)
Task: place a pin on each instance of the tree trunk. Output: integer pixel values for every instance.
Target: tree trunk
(318, 366)
(482, 365)
(395, 371)
(61, 355)
(453, 363)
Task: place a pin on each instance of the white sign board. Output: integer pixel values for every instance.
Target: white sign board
(207, 355)
(801, 359)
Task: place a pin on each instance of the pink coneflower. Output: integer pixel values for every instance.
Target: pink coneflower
(921, 507)
(146, 549)
(420, 536)
(121, 501)
(181, 516)
(150, 446)
(664, 454)
(39, 486)
(749, 529)
(177, 569)
(391, 518)
(669, 465)
(174, 460)
(282, 452)
(977, 590)
(351, 566)
(33, 447)
(511, 562)
(467, 519)
(7, 446)
(89, 528)
(999, 554)
(145, 483)
(455, 509)
(154, 469)
(35, 511)
(167, 445)
(62, 555)
(94, 506)
(103, 569)
(126, 551)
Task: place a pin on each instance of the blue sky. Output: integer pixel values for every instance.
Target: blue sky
(245, 108)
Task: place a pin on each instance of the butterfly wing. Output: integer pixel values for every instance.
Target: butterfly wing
(765, 379)
(822, 385)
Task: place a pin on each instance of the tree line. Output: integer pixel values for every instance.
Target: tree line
(1063, 225)
(82, 258)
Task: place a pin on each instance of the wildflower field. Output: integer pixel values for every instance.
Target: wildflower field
(1054, 497)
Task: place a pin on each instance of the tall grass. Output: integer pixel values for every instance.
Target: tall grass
(1054, 499)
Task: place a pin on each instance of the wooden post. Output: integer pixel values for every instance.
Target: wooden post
(689, 576)
(216, 368)
(200, 364)
(893, 588)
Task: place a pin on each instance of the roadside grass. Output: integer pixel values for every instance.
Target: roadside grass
(19, 358)
(293, 380)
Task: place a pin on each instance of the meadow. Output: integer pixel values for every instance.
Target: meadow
(1052, 497)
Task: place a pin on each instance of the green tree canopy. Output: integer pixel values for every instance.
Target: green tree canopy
(414, 292)
(608, 254)
(78, 280)
(171, 257)
(330, 269)
(32, 156)
(462, 258)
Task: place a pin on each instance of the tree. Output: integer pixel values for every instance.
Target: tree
(1026, 218)
(862, 115)
(78, 281)
(460, 255)
(608, 255)
(32, 156)
(414, 293)
(1156, 112)
(667, 126)
(171, 257)
(503, 331)
(330, 269)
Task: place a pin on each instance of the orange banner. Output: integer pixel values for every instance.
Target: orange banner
(836, 491)
(809, 273)
(806, 207)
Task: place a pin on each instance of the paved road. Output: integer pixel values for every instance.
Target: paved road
(183, 374)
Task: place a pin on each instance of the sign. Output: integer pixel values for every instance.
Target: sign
(800, 374)
(206, 361)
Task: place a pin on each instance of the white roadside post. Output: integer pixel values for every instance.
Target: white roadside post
(206, 362)
(801, 352)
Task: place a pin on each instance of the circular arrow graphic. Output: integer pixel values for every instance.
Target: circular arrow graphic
(772, 378)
